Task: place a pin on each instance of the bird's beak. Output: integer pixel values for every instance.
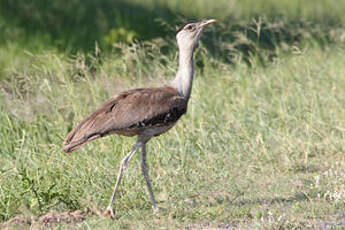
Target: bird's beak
(207, 22)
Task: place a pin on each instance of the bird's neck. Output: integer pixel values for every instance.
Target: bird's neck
(184, 77)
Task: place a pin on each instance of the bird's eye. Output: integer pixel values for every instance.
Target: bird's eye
(190, 27)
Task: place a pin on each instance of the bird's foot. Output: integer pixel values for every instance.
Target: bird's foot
(109, 212)
(155, 209)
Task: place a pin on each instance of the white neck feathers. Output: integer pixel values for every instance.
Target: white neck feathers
(184, 77)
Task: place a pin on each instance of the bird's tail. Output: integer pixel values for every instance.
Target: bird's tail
(73, 141)
(90, 128)
(83, 133)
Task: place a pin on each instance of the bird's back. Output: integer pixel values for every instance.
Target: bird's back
(129, 114)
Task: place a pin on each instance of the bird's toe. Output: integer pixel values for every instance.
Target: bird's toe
(109, 212)
(155, 210)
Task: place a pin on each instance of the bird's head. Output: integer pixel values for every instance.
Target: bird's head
(188, 35)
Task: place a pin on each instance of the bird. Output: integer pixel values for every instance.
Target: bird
(143, 112)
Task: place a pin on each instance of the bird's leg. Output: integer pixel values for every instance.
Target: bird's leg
(145, 170)
(125, 161)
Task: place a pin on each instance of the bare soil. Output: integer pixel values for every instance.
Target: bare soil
(47, 221)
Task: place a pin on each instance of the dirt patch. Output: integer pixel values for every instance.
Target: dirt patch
(334, 222)
(48, 220)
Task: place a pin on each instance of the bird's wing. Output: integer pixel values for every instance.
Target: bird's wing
(131, 110)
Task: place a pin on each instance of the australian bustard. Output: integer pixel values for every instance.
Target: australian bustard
(145, 112)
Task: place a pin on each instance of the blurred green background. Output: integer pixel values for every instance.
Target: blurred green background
(78, 24)
(245, 27)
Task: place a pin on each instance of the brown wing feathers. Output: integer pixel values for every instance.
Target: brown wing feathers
(128, 114)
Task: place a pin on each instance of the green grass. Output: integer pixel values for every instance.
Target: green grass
(260, 147)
